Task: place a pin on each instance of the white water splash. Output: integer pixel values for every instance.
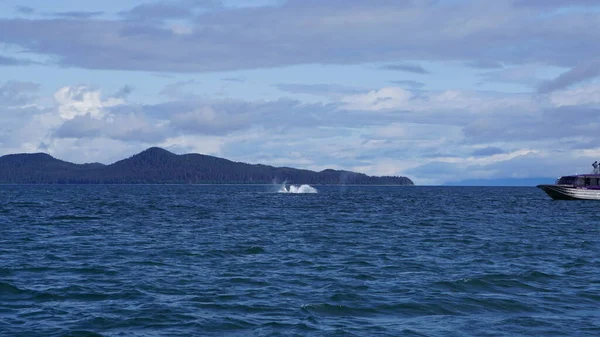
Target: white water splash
(297, 189)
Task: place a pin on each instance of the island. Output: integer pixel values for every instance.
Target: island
(159, 166)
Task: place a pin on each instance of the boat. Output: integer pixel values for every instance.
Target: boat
(575, 187)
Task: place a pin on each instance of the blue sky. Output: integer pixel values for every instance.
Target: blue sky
(439, 91)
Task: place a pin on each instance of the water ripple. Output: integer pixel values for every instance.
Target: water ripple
(244, 260)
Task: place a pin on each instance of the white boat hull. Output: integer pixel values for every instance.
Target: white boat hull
(566, 192)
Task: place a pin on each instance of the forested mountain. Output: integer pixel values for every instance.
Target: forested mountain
(159, 166)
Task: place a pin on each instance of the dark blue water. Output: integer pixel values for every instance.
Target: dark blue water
(244, 261)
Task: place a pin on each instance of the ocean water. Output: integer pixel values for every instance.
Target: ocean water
(248, 261)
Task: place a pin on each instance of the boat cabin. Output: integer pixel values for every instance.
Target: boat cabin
(580, 180)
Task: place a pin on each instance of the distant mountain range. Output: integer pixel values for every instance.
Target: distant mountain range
(159, 166)
(503, 182)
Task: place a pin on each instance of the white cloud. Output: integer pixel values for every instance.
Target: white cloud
(589, 94)
(80, 101)
(375, 100)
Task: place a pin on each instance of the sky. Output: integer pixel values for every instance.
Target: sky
(440, 91)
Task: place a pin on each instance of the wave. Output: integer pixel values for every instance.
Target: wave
(297, 189)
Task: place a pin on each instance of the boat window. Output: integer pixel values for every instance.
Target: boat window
(566, 181)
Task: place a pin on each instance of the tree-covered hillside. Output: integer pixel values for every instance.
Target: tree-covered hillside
(159, 166)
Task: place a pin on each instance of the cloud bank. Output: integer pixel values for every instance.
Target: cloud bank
(308, 32)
